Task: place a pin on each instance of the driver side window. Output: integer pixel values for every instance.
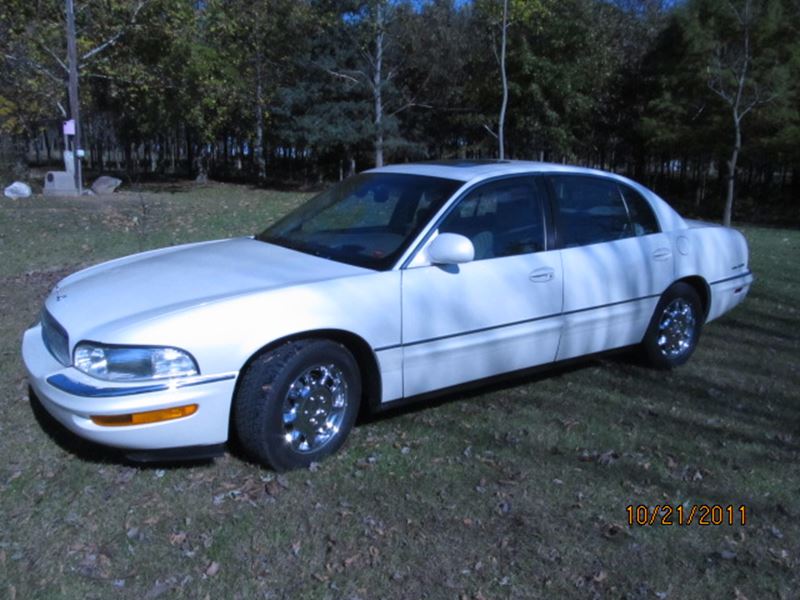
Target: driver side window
(501, 218)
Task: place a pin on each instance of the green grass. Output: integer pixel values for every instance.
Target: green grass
(513, 491)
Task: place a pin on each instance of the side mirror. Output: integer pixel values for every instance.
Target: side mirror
(451, 249)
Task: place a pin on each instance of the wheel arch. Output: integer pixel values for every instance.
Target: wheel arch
(371, 384)
(703, 290)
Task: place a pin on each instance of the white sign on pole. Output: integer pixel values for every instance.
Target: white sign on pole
(69, 127)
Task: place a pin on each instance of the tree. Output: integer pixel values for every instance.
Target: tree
(501, 121)
(742, 70)
(58, 52)
(502, 17)
(373, 64)
(261, 40)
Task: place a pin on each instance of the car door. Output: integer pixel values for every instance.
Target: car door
(497, 313)
(616, 261)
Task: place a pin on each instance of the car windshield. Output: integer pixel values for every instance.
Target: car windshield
(367, 220)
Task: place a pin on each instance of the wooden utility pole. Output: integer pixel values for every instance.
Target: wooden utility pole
(74, 104)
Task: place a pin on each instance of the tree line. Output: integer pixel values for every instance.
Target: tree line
(696, 98)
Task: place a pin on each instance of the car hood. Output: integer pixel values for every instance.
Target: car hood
(151, 284)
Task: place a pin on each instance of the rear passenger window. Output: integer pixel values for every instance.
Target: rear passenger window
(501, 218)
(590, 210)
(641, 213)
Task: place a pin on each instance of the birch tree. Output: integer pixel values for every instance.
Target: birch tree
(375, 67)
(741, 73)
(509, 11)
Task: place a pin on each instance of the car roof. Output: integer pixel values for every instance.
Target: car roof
(470, 169)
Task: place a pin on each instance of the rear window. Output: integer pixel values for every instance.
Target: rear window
(641, 213)
(590, 210)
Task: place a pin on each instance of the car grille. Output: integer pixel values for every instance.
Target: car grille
(55, 338)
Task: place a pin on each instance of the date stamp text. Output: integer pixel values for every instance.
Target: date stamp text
(680, 515)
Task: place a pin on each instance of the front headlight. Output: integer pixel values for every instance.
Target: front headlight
(121, 363)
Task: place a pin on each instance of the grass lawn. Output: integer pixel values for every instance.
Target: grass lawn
(514, 491)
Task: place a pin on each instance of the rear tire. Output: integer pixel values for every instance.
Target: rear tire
(675, 327)
(297, 403)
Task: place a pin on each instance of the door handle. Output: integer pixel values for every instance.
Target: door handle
(662, 254)
(542, 275)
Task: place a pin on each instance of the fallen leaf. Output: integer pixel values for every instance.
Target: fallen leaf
(159, 589)
(272, 488)
(177, 539)
(568, 423)
(779, 557)
(608, 457)
(349, 561)
(600, 577)
(776, 533)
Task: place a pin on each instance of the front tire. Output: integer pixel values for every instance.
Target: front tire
(675, 327)
(297, 403)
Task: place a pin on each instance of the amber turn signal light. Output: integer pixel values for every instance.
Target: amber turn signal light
(151, 416)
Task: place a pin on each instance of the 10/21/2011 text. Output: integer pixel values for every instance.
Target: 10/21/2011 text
(696, 514)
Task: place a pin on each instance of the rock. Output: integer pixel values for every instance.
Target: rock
(106, 185)
(18, 190)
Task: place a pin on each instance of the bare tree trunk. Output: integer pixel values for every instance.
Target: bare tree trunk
(377, 82)
(173, 151)
(742, 97)
(47, 146)
(504, 76)
(258, 150)
(728, 213)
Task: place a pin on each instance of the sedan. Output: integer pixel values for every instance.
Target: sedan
(393, 284)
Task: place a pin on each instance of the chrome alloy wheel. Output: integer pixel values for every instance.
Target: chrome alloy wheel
(314, 408)
(676, 329)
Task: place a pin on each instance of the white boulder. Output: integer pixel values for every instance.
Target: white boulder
(106, 185)
(18, 190)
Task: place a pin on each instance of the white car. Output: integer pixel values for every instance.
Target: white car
(398, 282)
